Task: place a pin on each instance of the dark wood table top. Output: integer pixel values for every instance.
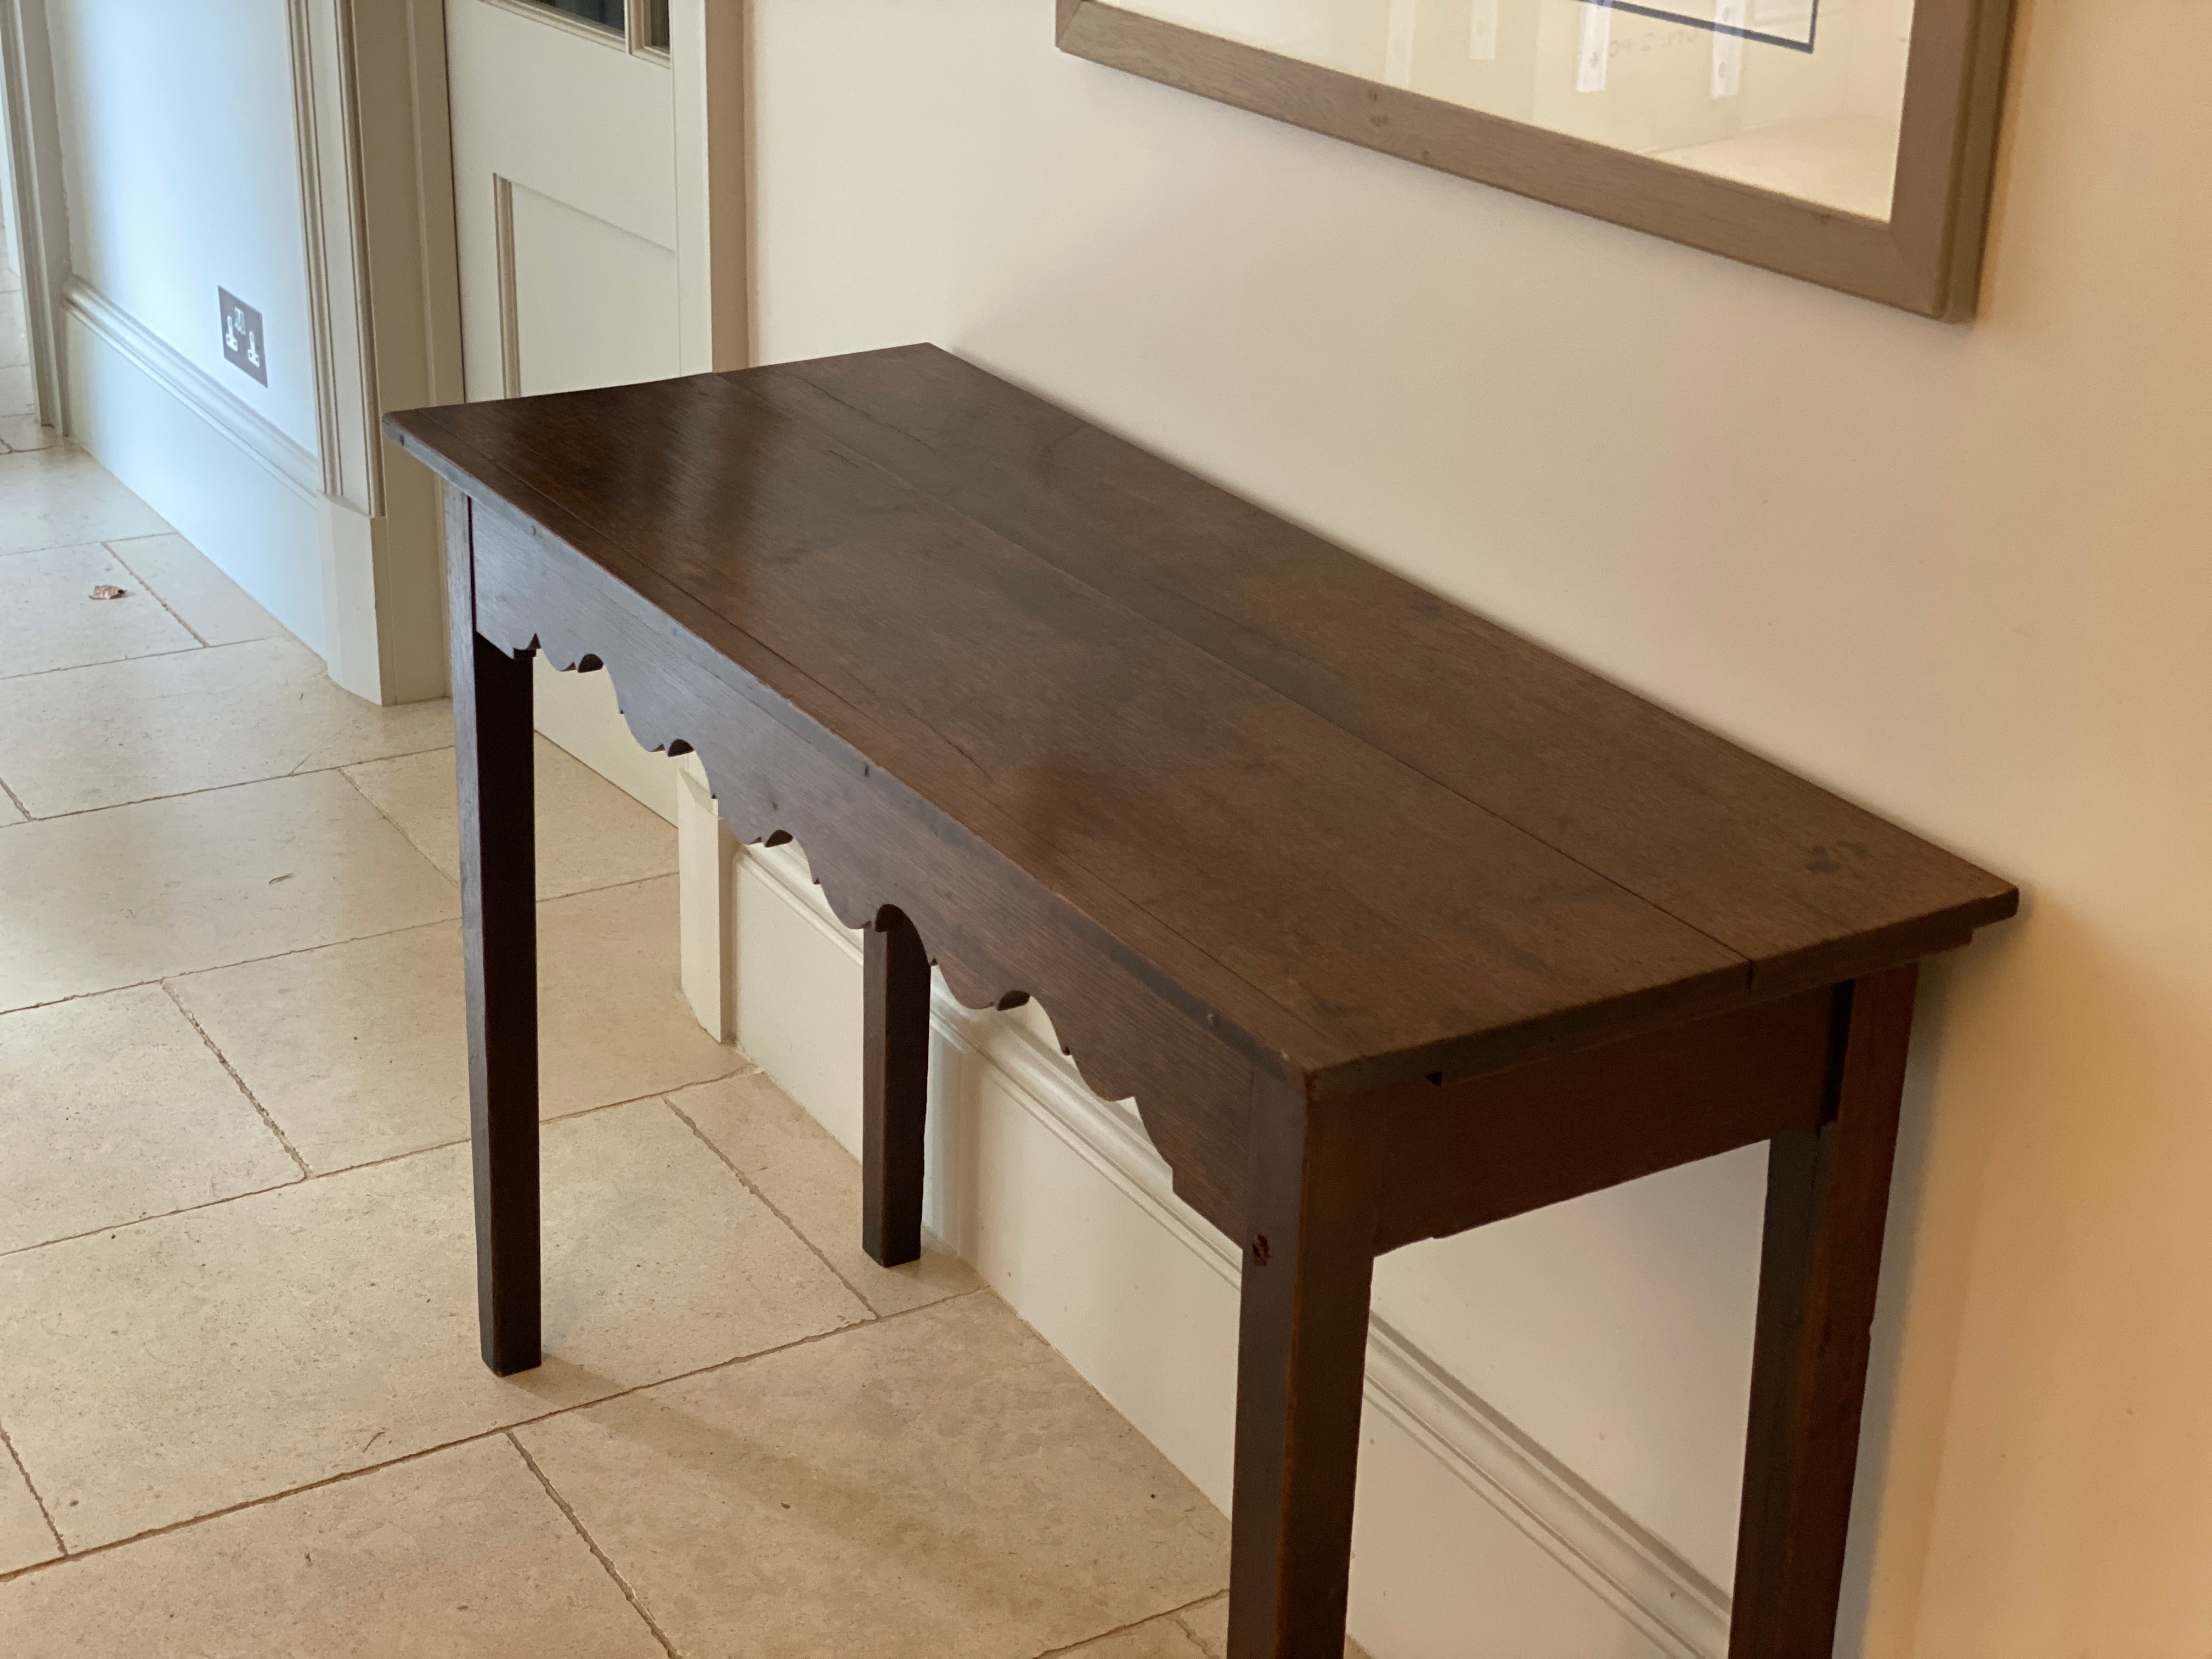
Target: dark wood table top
(1375, 830)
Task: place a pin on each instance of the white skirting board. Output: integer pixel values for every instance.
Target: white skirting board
(1470, 1542)
(352, 587)
(235, 486)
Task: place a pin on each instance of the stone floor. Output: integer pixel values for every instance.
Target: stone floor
(240, 1402)
(19, 389)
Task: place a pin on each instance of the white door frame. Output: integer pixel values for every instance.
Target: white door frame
(707, 51)
(41, 208)
(369, 87)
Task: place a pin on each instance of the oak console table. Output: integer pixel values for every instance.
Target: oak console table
(1392, 923)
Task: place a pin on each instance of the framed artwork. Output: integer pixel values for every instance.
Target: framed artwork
(1846, 141)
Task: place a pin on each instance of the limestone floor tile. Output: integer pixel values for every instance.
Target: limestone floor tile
(1156, 1639)
(135, 893)
(359, 1051)
(49, 619)
(87, 737)
(815, 1183)
(8, 813)
(198, 1361)
(112, 1109)
(459, 1554)
(1209, 1623)
(25, 1537)
(935, 1484)
(60, 497)
(23, 432)
(18, 389)
(14, 335)
(186, 579)
(613, 1020)
(590, 834)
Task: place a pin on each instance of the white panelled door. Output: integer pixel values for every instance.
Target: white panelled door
(565, 188)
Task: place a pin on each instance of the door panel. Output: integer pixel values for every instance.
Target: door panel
(592, 304)
(564, 179)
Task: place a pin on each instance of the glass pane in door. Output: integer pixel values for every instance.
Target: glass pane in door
(607, 14)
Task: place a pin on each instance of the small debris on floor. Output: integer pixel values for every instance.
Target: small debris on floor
(110, 591)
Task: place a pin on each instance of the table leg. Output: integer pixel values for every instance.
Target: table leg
(499, 934)
(1301, 1366)
(894, 1090)
(1827, 1198)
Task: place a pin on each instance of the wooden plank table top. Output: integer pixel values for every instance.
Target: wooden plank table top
(1379, 834)
(1392, 922)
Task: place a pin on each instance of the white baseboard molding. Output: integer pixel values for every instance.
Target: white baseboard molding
(288, 462)
(1648, 1584)
(236, 487)
(1650, 1588)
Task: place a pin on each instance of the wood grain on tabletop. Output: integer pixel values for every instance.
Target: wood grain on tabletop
(1397, 823)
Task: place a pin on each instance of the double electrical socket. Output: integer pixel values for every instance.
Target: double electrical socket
(242, 345)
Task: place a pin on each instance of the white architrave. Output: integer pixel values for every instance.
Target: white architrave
(706, 57)
(384, 290)
(707, 856)
(40, 205)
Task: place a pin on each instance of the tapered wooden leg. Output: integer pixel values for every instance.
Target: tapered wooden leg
(894, 1090)
(1301, 1365)
(1827, 1198)
(499, 933)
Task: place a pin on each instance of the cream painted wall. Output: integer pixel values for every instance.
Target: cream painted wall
(182, 169)
(1959, 574)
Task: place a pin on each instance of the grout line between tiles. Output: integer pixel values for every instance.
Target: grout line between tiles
(774, 1209)
(306, 950)
(116, 553)
(251, 1099)
(31, 1486)
(342, 768)
(66, 547)
(1184, 1624)
(221, 967)
(1172, 1614)
(555, 1117)
(104, 662)
(612, 886)
(313, 1175)
(542, 898)
(302, 770)
(400, 829)
(304, 767)
(91, 1550)
(161, 1215)
(592, 1544)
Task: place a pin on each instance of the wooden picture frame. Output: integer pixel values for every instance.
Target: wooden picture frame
(1926, 257)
